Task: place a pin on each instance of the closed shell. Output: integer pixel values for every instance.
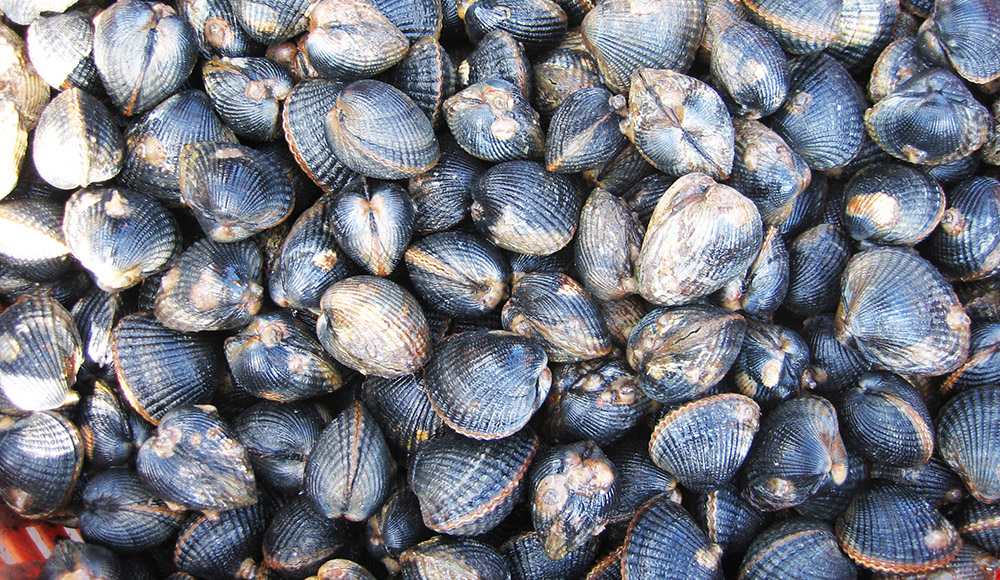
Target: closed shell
(122, 513)
(372, 221)
(19, 83)
(559, 74)
(664, 541)
(891, 203)
(307, 138)
(416, 19)
(899, 61)
(497, 55)
(299, 539)
(816, 259)
(373, 326)
(983, 366)
(762, 289)
(967, 245)
(395, 528)
(220, 546)
(247, 92)
(41, 457)
(607, 245)
(216, 28)
(883, 291)
(274, 21)
(535, 23)
(442, 195)
(403, 411)
(866, 27)
(427, 75)
(964, 34)
(748, 62)
(31, 239)
(800, 547)
(61, 50)
(979, 525)
(639, 480)
(279, 438)
(833, 366)
(967, 435)
(493, 121)
(459, 558)
(526, 558)
(801, 27)
(729, 518)
(584, 132)
(351, 39)
(701, 234)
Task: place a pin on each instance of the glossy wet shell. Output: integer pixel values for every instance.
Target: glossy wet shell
(278, 357)
(373, 326)
(104, 427)
(120, 236)
(458, 273)
(497, 55)
(493, 121)
(194, 459)
(822, 118)
(964, 32)
(467, 487)
(526, 558)
(639, 479)
(216, 27)
(607, 244)
(967, 435)
(395, 527)
(372, 221)
(584, 132)
(934, 481)
(220, 547)
(866, 27)
(748, 62)
(137, 82)
(704, 442)
(246, 92)
(307, 138)
(572, 494)
(626, 35)
(41, 457)
(895, 65)
(351, 39)
(834, 366)
(979, 524)
(541, 223)
(664, 541)
(891, 203)
(901, 122)
(798, 450)
(681, 352)
(40, 353)
(19, 83)
(888, 528)
(415, 19)
(272, 22)
(790, 548)
(679, 124)
(122, 513)
(556, 311)
(983, 366)
(459, 558)
(159, 368)
(61, 50)
(212, 286)
(700, 235)
(816, 259)
(299, 539)
(427, 75)
(898, 310)
(376, 130)
(487, 385)
(730, 519)
(559, 74)
(967, 245)
(802, 27)
(279, 437)
(31, 239)
(886, 420)
(772, 364)
(762, 289)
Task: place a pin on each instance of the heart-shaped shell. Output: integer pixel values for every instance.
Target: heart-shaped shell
(194, 459)
(299, 538)
(526, 558)
(307, 138)
(834, 366)
(891, 529)
(403, 411)
(584, 133)
(279, 437)
(892, 203)
(351, 39)
(41, 457)
(247, 92)
(730, 520)
(772, 364)
(967, 245)
(967, 435)
(664, 541)
(964, 34)
(866, 27)
(748, 62)
(983, 366)
(816, 260)
(791, 548)
(934, 481)
(414, 18)
(134, 37)
(493, 121)
(274, 21)
(704, 442)
(639, 480)
(899, 61)
(497, 55)
(122, 513)
(466, 487)
(374, 326)
(607, 244)
(104, 426)
(445, 557)
(701, 235)
(372, 221)
(219, 546)
(898, 310)
(395, 528)
(559, 74)
(61, 49)
(535, 23)
(801, 27)
(427, 75)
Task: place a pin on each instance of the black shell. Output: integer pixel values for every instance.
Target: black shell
(31, 239)
(278, 357)
(427, 75)
(832, 499)
(967, 245)
(527, 560)
(274, 21)
(493, 121)
(889, 528)
(458, 558)
(122, 513)
(70, 558)
(898, 62)
(308, 262)
(352, 39)
(372, 221)
(883, 290)
(246, 92)
(216, 28)
(487, 384)
(623, 171)
(730, 519)
(822, 118)
(41, 457)
(467, 487)
(395, 528)
(772, 365)
(797, 548)
(834, 366)
(625, 35)
(930, 119)
(307, 138)
(497, 56)
(153, 145)
(443, 194)
(800, 27)
(983, 366)
(299, 539)
(572, 494)
(762, 289)
(105, 429)
(212, 286)
(967, 434)
(700, 236)
(664, 541)
(559, 74)
(403, 411)
(934, 481)
(414, 18)
(194, 459)
(679, 124)
(886, 421)
(964, 34)
(979, 524)
(639, 479)
(40, 353)
(220, 546)
(705, 442)
(159, 368)
(136, 37)
(373, 326)
(748, 62)
(458, 273)
(61, 49)
(681, 352)
(892, 204)
(279, 437)
(347, 474)
(583, 133)
(607, 244)
(521, 207)
(376, 130)
(120, 236)
(797, 451)
(556, 311)
(816, 260)
(866, 27)
(535, 23)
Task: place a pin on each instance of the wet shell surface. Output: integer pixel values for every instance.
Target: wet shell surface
(31, 239)
(216, 27)
(219, 546)
(299, 539)
(816, 260)
(748, 62)
(61, 50)
(247, 92)
(272, 22)
(279, 437)
(40, 353)
(493, 121)
(307, 138)
(526, 558)
(427, 75)
(772, 364)
(41, 457)
(194, 459)
(899, 61)
(764, 286)
(497, 55)
(122, 513)
(801, 28)
(351, 39)
(395, 528)
(467, 487)
(459, 558)
(789, 548)
(967, 434)
(967, 245)
(403, 411)
(898, 310)
(983, 366)
(372, 221)
(347, 474)
(443, 194)
(607, 244)
(105, 428)
(730, 519)
(487, 384)
(373, 326)
(560, 73)
(891, 203)
(705, 442)
(963, 33)
(664, 541)
(584, 132)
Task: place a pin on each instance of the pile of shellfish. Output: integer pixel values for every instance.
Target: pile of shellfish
(502, 289)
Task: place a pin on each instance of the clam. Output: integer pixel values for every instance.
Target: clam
(979, 524)
(800, 547)
(584, 133)
(730, 520)
(70, 558)
(748, 62)
(31, 239)
(866, 27)
(764, 286)
(105, 428)
(967, 245)
(442, 195)
(402, 409)
(497, 55)
(274, 21)
(560, 73)
(934, 481)
(621, 172)
(299, 539)
(351, 39)
(526, 558)
(122, 513)
(892, 203)
(966, 437)
(61, 47)
(427, 75)
(886, 421)
(639, 480)
(279, 437)
(216, 28)
(607, 244)
(493, 121)
(416, 19)
(372, 221)
(307, 138)
(834, 366)
(96, 314)
(535, 23)
(246, 93)
(41, 458)
(664, 541)
(801, 28)
(963, 34)
(21, 85)
(24, 12)
(15, 144)
(458, 558)
(816, 260)
(899, 61)
(342, 569)
(772, 364)
(983, 366)
(223, 546)
(395, 528)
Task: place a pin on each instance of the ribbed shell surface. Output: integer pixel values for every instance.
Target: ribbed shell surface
(307, 138)
(403, 411)
(351, 39)
(216, 27)
(968, 35)
(104, 427)
(443, 194)
(967, 245)
(121, 512)
(526, 558)
(493, 121)
(607, 243)
(272, 22)
(583, 133)
(415, 18)
(816, 260)
(427, 75)
(892, 203)
(61, 50)
(279, 437)
(299, 539)
(887, 421)
(748, 62)
(866, 27)
(220, 547)
(459, 273)
(664, 541)
(801, 547)
(41, 457)
(31, 239)
(968, 435)
(801, 27)
(372, 221)
(445, 557)
(247, 92)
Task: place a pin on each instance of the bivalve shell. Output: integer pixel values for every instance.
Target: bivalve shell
(427, 75)
(41, 457)
(801, 27)
(966, 35)
(535, 23)
(968, 434)
(493, 121)
(31, 239)
(816, 260)
(797, 548)
(215, 25)
(372, 221)
(122, 513)
(892, 203)
(403, 411)
(607, 245)
(526, 558)
(748, 62)
(279, 437)
(247, 92)
(299, 539)
(61, 49)
(307, 138)
(351, 39)
(584, 134)
(664, 541)
(967, 245)
(457, 558)
(772, 365)
(220, 546)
